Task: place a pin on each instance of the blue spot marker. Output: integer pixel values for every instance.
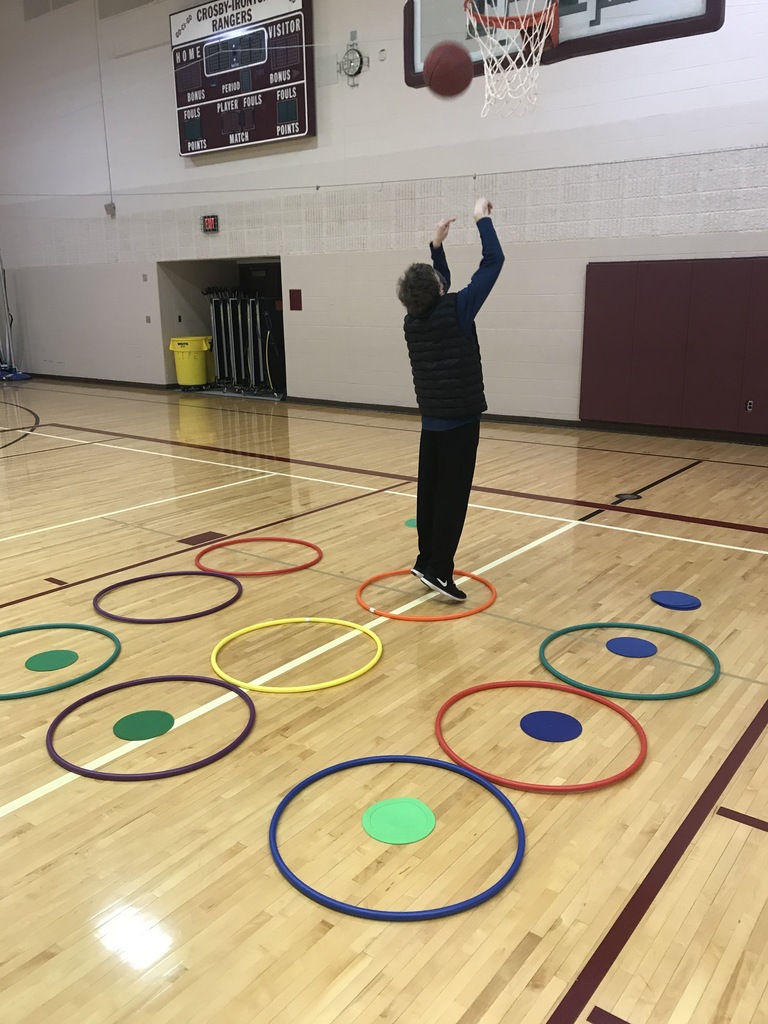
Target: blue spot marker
(676, 600)
(631, 647)
(550, 726)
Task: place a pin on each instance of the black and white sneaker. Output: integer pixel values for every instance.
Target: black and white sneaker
(417, 572)
(445, 587)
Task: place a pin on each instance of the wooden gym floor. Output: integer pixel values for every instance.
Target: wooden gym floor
(158, 901)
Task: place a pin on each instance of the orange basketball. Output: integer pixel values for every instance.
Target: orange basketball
(448, 69)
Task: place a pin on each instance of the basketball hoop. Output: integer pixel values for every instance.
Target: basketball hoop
(511, 45)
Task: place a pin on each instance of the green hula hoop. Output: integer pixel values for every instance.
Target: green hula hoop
(620, 693)
(67, 682)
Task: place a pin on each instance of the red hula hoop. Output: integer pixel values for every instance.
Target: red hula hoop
(535, 787)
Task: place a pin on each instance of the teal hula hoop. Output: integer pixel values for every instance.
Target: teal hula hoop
(619, 693)
(67, 682)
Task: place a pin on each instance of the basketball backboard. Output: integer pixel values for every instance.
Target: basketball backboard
(586, 26)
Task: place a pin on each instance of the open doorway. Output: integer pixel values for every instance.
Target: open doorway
(238, 304)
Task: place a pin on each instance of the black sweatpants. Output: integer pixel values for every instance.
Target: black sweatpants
(446, 468)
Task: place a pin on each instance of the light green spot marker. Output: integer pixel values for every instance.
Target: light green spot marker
(49, 661)
(399, 821)
(143, 725)
(410, 522)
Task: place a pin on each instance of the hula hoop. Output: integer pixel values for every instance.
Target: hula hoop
(395, 915)
(296, 689)
(424, 618)
(68, 682)
(170, 618)
(255, 540)
(536, 787)
(90, 773)
(620, 693)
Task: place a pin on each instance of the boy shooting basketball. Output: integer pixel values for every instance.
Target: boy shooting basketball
(448, 378)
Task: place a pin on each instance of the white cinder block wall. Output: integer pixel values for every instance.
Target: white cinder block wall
(652, 152)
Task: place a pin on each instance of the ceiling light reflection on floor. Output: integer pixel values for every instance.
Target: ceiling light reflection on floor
(135, 937)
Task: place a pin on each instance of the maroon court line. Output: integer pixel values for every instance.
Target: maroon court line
(743, 819)
(564, 425)
(599, 964)
(598, 1016)
(402, 478)
(622, 451)
(46, 451)
(186, 550)
(627, 509)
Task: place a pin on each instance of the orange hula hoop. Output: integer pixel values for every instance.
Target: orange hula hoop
(424, 618)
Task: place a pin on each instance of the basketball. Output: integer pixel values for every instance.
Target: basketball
(448, 69)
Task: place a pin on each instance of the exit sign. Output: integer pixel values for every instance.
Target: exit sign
(210, 223)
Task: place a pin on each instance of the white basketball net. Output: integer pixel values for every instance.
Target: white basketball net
(511, 35)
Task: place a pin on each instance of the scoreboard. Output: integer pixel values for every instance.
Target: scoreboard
(244, 73)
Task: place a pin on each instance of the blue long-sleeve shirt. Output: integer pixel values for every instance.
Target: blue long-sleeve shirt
(470, 299)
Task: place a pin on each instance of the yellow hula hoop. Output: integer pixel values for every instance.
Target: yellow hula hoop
(296, 689)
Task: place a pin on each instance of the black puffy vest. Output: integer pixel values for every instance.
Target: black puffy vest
(447, 372)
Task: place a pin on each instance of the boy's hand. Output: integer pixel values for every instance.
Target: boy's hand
(441, 231)
(483, 208)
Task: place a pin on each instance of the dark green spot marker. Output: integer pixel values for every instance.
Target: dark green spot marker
(49, 661)
(143, 725)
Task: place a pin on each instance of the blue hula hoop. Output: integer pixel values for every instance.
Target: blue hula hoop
(395, 915)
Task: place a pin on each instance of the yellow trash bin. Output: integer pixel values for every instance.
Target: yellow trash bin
(192, 360)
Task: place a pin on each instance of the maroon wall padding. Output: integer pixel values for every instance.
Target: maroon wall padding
(660, 343)
(717, 340)
(606, 365)
(755, 379)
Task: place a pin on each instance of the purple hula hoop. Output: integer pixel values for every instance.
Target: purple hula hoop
(89, 773)
(171, 618)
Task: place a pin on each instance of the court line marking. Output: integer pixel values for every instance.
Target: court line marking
(601, 526)
(355, 486)
(140, 451)
(112, 755)
(489, 421)
(55, 784)
(400, 478)
(611, 946)
(132, 508)
(361, 487)
(428, 595)
(205, 462)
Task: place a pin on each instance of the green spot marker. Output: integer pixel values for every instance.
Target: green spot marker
(410, 522)
(143, 725)
(49, 661)
(399, 821)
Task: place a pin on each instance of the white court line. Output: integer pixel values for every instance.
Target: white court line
(141, 451)
(50, 787)
(667, 536)
(120, 511)
(399, 494)
(227, 465)
(204, 709)
(203, 462)
(304, 658)
(604, 526)
(98, 762)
